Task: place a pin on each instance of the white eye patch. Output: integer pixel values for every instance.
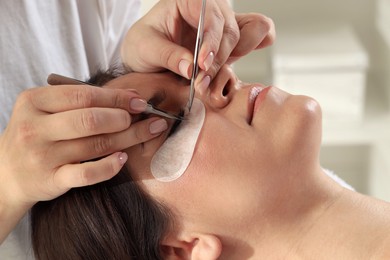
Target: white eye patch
(173, 157)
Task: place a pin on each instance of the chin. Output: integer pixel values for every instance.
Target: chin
(302, 128)
(309, 108)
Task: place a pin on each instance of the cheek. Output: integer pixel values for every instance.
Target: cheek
(225, 161)
(140, 156)
(200, 178)
(226, 148)
(215, 147)
(224, 179)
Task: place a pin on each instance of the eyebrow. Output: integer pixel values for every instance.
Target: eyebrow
(158, 97)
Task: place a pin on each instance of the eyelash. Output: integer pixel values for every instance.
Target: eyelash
(176, 123)
(157, 99)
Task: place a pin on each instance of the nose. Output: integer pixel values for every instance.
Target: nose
(223, 87)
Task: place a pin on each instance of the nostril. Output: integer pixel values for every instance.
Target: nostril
(225, 90)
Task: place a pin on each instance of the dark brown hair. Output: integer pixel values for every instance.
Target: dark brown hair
(115, 219)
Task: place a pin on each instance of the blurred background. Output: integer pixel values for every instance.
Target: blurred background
(339, 53)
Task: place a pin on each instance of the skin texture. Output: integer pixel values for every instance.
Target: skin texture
(255, 188)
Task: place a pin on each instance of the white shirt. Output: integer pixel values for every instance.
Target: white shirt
(68, 37)
(72, 37)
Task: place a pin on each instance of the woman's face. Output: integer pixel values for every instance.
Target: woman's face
(251, 155)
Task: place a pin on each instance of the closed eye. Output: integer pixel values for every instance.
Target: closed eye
(157, 99)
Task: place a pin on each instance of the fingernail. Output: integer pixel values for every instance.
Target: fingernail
(204, 84)
(138, 104)
(122, 158)
(184, 65)
(158, 126)
(209, 61)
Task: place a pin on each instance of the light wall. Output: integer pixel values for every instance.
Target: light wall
(146, 5)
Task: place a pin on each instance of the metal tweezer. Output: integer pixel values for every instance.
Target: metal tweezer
(55, 79)
(198, 44)
(152, 110)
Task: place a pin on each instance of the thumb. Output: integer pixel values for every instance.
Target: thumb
(148, 50)
(172, 56)
(256, 31)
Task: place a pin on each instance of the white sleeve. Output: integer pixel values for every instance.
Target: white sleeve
(103, 25)
(118, 17)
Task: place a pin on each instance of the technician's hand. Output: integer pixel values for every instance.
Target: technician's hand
(165, 38)
(53, 129)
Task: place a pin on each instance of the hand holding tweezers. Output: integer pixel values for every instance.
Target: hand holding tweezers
(55, 79)
(198, 44)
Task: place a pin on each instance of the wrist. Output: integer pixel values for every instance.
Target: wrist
(10, 215)
(12, 208)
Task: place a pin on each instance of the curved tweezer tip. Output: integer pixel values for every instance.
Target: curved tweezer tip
(152, 110)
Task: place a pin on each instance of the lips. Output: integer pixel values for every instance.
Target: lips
(256, 95)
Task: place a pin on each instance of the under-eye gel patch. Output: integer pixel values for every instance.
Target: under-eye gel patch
(173, 157)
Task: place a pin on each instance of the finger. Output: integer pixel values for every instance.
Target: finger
(226, 43)
(174, 57)
(88, 148)
(84, 122)
(256, 31)
(214, 22)
(270, 37)
(169, 54)
(56, 99)
(89, 173)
